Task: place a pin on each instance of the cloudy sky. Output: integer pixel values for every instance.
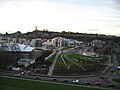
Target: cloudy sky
(85, 16)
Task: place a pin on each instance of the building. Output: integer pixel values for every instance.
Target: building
(14, 40)
(53, 43)
(16, 47)
(26, 62)
(63, 42)
(97, 43)
(36, 42)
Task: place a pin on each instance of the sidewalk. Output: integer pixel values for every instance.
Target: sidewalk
(53, 64)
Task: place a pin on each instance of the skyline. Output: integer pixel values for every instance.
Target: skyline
(84, 16)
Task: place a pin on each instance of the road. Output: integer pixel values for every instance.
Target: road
(114, 61)
(113, 72)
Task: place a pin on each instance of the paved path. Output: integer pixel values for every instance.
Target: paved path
(53, 64)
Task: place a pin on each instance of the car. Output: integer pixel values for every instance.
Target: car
(112, 70)
(37, 78)
(87, 82)
(22, 73)
(76, 81)
(65, 81)
(54, 79)
(111, 85)
(17, 74)
(97, 83)
(101, 77)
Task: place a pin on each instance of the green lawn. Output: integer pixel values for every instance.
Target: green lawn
(51, 59)
(74, 59)
(18, 84)
(60, 62)
(116, 80)
(83, 57)
(69, 63)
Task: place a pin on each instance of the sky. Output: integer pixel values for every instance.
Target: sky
(84, 16)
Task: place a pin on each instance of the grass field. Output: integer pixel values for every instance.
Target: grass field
(116, 80)
(70, 59)
(18, 84)
(83, 57)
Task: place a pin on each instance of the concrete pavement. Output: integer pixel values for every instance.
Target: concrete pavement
(53, 64)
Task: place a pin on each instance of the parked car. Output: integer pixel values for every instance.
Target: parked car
(101, 77)
(38, 78)
(17, 74)
(87, 82)
(54, 79)
(97, 83)
(22, 73)
(111, 85)
(65, 81)
(76, 81)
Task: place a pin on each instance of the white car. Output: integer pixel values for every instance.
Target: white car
(17, 74)
(76, 81)
(23, 73)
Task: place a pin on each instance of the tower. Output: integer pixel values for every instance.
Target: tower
(35, 27)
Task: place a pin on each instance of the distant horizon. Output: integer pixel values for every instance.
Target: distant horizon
(58, 32)
(83, 16)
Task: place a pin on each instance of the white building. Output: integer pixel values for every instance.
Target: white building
(16, 47)
(63, 42)
(55, 42)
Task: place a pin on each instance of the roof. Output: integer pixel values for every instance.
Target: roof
(17, 47)
(25, 48)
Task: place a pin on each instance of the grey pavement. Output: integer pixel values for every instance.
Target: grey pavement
(53, 64)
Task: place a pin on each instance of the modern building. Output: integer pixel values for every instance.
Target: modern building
(16, 47)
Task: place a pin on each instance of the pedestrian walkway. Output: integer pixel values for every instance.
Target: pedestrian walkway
(53, 64)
